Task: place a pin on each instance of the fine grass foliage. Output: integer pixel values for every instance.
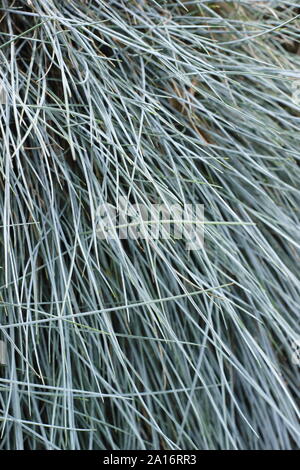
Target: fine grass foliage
(143, 344)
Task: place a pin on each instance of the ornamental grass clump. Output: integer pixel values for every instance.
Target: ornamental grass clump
(141, 342)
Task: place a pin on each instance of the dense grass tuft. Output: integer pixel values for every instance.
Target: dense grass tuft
(143, 344)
